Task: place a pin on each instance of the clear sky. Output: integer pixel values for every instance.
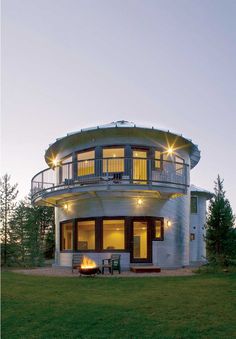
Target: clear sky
(70, 64)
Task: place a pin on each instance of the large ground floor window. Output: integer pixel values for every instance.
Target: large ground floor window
(127, 234)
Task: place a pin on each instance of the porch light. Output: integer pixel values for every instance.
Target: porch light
(168, 223)
(170, 151)
(140, 201)
(55, 162)
(66, 207)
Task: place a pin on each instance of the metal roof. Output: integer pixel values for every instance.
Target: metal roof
(194, 155)
(196, 189)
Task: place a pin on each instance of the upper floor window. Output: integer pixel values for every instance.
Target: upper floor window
(157, 159)
(194, 206)
(179, 165)
(113, 160)
(66, 168)
(86, 163)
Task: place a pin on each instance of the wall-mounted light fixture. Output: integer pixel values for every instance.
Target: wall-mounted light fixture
(168, 223)
(66, 207)
(139, 201)
(55, 162)
(170, 151)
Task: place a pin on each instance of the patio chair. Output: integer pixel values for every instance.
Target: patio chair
(76, 261)
(113, 263)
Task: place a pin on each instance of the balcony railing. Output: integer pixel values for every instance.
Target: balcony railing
(108, 171)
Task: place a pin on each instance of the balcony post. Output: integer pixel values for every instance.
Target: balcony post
(98, 161)
(74, 166)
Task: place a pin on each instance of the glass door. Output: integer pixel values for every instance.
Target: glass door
(140, 251)
(139, 166)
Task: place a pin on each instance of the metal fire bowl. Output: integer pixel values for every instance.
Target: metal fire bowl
(89, 271)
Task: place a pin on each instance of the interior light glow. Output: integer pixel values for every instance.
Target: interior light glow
(170, 151)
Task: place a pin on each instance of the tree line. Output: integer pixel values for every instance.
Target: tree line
(27, 231)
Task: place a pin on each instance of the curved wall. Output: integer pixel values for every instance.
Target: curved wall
(116, 137)
(197, 227)
(172, 252)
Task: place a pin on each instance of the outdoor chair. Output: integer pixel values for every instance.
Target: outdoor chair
(76, 261)
(113, 263)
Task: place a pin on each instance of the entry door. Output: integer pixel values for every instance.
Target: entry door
(139, 166)
(141, 242)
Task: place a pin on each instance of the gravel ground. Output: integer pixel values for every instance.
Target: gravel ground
(66, 272)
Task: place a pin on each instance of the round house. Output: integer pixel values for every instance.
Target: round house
(120, 188)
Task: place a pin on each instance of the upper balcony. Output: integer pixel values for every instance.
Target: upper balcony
(116, 173)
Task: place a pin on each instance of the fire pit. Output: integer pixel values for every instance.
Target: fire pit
(88, 267)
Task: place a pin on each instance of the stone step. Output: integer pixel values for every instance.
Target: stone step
(145, 269)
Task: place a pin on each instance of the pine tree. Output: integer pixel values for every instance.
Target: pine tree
(40, 222)
(8, 194)
(18, 233)
(220, 235)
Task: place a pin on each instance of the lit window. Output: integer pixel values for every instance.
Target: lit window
(139, 166)
(86, 235)
(66, 169)
(159, 230)
(192, 236)
(193, 204)
(113, 234)
(114, 160)
(157, 159)
(86, 164)
(67, 236)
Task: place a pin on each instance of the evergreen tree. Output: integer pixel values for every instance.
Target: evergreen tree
(220, 235)
(40, 223)
(8, 194)
(18, 233)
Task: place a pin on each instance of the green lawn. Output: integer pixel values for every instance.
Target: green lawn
(201, 306)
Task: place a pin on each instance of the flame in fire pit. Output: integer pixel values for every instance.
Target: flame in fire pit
(88, 263)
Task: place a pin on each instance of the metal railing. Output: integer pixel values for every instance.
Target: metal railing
(107, 171)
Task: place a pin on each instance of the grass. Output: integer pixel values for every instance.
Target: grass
(201, 306)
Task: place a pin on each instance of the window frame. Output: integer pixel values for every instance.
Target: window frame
(161, 238)
(125, 234)
(61, 167)
(110, 158)
(155, 168)
(72, 221)
(92, 149)
(76, 235)
(196, 197)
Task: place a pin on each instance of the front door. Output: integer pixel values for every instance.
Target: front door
(141, 250)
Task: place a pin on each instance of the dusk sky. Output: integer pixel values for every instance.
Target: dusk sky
(71, 64)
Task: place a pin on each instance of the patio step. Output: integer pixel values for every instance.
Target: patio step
(145, 269)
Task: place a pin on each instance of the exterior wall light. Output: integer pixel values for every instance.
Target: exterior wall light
(170, 151)
(66, 207)
(168, 223)
(139, 201)
(55, 162)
